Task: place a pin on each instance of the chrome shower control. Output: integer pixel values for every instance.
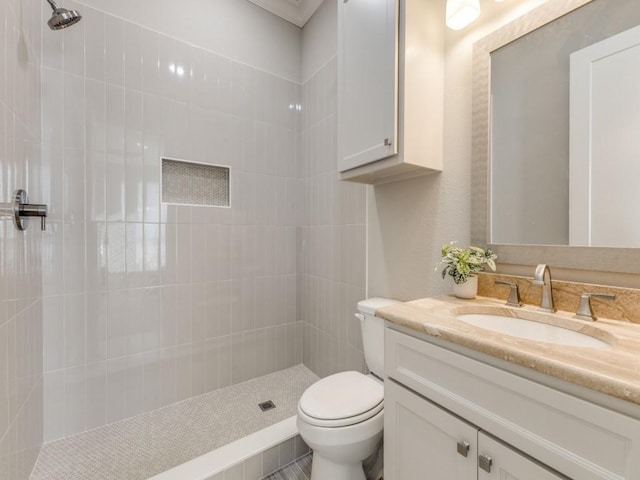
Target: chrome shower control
(20, 210)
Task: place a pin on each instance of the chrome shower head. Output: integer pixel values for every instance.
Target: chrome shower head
(61, 17)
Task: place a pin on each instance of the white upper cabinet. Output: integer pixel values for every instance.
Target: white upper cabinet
(368, 87)
(390, 88)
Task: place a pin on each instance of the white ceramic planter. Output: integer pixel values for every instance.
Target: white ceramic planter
(468, 289)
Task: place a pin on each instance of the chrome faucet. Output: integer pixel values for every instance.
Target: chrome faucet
(514, 294)
(542, 278)
(585, 312)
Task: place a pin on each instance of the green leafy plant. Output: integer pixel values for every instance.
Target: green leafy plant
(460, 263)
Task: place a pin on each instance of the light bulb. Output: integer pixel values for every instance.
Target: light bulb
(461, 13)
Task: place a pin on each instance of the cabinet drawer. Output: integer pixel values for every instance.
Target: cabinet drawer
(575, 437)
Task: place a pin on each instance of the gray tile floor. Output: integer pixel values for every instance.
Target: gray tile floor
(298, 470)
(143, 446)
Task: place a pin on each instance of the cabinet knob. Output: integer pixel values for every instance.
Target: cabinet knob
(463, 448)
(387, 142)
(484, 462)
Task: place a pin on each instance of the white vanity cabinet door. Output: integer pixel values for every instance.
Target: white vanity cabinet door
(421, 439)
(367, 79)
(507, 464)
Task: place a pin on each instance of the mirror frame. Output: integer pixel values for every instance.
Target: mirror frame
(621, 260)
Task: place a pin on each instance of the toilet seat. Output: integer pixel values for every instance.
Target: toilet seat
(340, 422)
(343, 399)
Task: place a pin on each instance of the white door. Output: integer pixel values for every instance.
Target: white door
(605, 143)
(367, 81)
(423, 441)
(499, 462)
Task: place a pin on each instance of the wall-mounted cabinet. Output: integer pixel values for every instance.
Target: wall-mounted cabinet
(390, 89)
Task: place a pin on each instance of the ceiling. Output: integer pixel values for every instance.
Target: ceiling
(294, 11)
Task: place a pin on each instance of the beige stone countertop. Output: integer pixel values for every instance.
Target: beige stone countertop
(613, 371)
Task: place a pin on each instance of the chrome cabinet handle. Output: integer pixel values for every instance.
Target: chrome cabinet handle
(485, 462)
(463, 448)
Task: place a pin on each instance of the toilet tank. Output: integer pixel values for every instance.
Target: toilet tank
(372, 329)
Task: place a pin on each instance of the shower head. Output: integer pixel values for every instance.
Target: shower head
(61, 17)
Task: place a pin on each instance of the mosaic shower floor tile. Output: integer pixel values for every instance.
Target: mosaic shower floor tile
(140, 447)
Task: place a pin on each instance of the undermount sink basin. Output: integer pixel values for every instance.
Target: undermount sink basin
(530, 330)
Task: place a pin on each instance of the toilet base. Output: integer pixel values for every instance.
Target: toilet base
(323, 469)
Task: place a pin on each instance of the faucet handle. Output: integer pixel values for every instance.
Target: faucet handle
(584, 311)
(514, 294)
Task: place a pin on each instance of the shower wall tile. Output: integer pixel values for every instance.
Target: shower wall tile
(133, 56)
(116, 392)
(52, 107)
(54, 407)
(21, 253)
(114, 48)
(94, 45)
(73, 108)
(331, 240)
(148, 304)
(96, 412)
(73, 46)
(52, 45)
(75, 406)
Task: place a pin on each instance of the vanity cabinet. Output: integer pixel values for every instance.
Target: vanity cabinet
(390, 89)
(510, 414)
(425, 441)
(421, 439)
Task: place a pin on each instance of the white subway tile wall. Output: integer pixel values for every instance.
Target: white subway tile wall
(147, 304)
(332, 239)
(21, 305)
(129, 304)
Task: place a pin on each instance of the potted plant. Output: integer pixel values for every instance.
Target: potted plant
(461, 264)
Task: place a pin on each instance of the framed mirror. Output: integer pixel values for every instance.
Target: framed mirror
(556, 137)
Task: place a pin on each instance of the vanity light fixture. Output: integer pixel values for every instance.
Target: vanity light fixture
(461, 13)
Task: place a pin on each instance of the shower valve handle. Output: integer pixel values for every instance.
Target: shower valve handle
(21, 210)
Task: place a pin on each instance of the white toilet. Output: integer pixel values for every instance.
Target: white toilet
(341, 416)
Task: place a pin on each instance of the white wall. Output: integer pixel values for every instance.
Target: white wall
(236, 29)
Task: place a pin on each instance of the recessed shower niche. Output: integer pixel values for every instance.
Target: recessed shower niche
(190, 183)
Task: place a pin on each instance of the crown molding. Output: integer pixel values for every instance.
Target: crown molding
(297, 12)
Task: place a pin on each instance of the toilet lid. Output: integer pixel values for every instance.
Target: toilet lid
(342, 396)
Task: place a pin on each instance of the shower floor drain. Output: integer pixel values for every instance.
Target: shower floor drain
(268, 405)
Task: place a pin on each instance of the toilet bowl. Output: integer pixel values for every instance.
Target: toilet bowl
(340, 417)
